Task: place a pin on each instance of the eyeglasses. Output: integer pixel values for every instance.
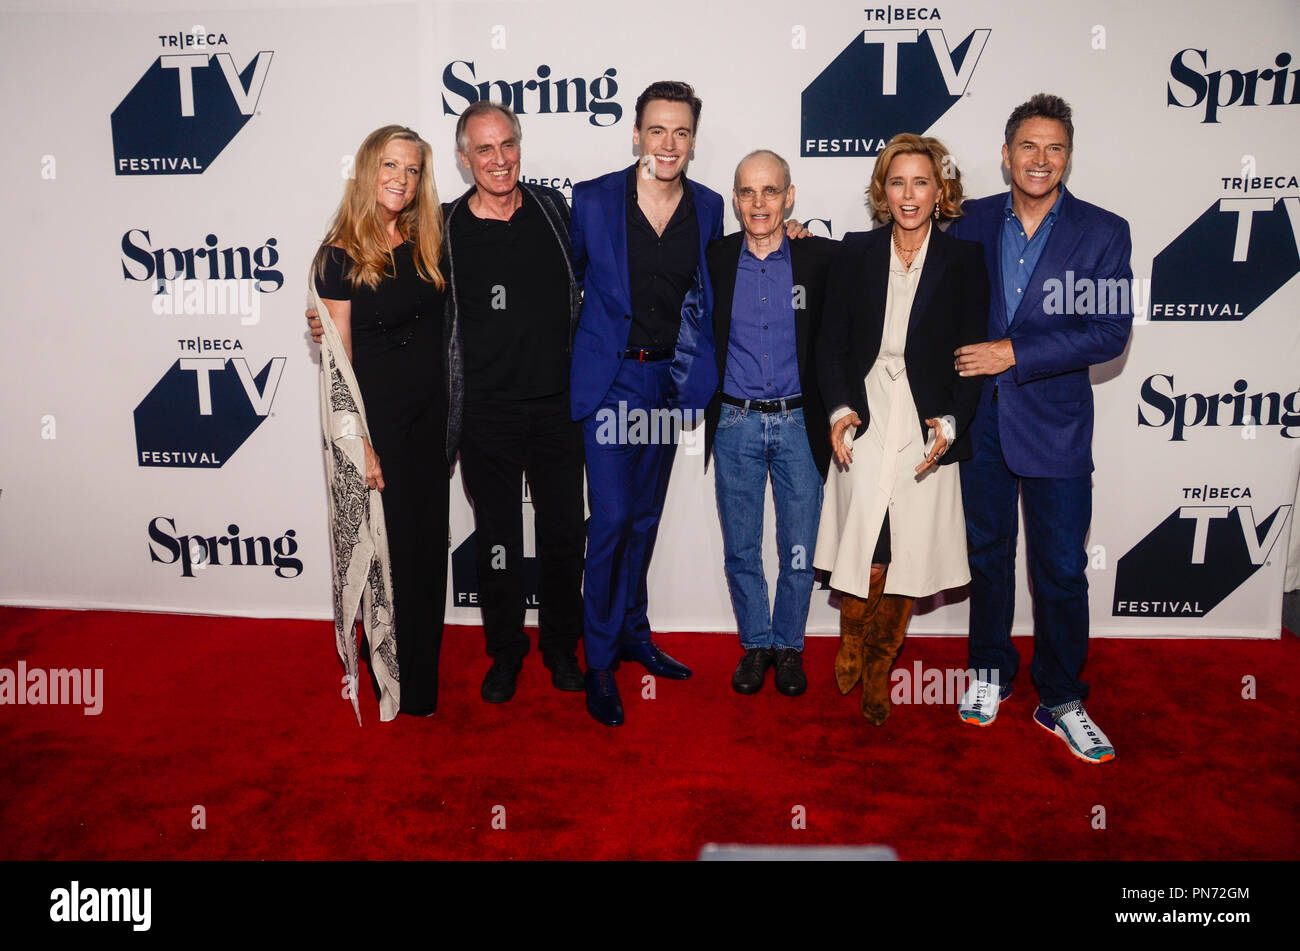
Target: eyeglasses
(746, 195)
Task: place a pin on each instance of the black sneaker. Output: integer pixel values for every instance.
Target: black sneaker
(790, 678)
(752, 670)
(499, 683)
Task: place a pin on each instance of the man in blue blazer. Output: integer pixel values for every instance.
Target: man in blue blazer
(1032, 435)
(639, 236)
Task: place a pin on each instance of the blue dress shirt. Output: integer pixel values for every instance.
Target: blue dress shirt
(1020, 254)
(762, 355)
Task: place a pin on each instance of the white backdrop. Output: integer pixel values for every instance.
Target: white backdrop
(96, 371)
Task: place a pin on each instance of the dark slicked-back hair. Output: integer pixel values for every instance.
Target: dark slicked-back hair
(1042, 106)
(672, 91)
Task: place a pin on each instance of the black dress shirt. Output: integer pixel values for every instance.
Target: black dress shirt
(660, 268)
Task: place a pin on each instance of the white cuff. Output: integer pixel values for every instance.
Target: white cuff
(948, 426)
(839, 413)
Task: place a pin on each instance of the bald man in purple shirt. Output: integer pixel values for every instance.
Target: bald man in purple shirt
(766, 418)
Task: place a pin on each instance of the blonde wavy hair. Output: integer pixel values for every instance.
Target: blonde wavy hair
(358, 229)
(946, 173)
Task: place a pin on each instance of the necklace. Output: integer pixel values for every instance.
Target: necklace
(904, 255)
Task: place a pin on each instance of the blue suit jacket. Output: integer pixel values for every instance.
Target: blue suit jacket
(599, 233)
(1045, 401)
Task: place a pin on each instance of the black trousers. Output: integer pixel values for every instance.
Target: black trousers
(501, 444)
(415, 497)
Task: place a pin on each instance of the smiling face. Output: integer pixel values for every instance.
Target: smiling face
(1037, 157)
(665, 137)
(491, 153)
(399, 175)
(763, 196)
(911, 190)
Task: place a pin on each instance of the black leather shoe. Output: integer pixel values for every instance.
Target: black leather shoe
(565, 673)
(499, 683)
(654, 660)
(790, 678)
(603, 701)
(752, 670)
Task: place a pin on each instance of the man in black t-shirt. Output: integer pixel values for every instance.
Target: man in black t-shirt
(511, 309)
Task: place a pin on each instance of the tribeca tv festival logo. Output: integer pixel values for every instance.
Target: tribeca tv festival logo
(892, 77)
(1236, 255)
(540, 95)
(187, 107)
(1202, 552)
(205, 406)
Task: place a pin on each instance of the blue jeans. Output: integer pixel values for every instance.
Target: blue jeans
(1057, 513)
(747, 447)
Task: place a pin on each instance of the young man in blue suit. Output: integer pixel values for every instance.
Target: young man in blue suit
(1032, 435)
(639, 236)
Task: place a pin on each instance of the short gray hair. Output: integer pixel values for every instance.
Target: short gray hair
(483, 107)
(785, 166)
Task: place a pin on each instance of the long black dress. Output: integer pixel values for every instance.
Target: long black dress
(397, 355)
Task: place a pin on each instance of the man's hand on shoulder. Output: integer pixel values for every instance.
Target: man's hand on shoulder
(794, 230)
(985, 359)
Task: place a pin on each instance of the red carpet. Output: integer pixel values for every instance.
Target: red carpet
(245, 718)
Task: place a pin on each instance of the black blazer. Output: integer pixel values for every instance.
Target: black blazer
(810, 262)
(950, 310)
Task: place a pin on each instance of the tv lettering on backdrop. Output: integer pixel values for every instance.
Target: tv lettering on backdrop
(204, 408)
(885, 82)
(186, 108)
(1231, 259)
(1197, 556)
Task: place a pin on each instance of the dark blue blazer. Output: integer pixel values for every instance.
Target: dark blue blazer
(599, 233)
(948, 311)
(1045, 408)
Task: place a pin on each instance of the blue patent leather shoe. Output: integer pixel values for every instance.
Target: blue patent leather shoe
(654, 660)
(603, 702)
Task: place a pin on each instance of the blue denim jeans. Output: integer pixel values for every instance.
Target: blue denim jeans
(747, 447)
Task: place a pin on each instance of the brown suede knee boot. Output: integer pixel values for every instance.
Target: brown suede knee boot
(855, 616)
(885, 633)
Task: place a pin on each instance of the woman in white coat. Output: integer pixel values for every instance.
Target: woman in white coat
(899, 300)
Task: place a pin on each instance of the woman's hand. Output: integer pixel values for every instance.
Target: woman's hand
(938, 449)
(841, 441)
(374, 475)
(313, 322)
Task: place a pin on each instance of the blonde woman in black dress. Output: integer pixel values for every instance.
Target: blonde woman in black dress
(378, 275)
